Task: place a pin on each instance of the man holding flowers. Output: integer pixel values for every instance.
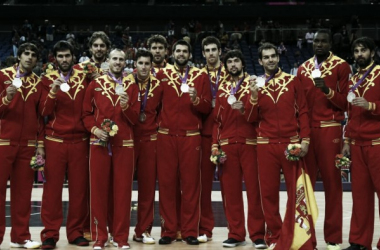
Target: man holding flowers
(110, 107)
(67, 146)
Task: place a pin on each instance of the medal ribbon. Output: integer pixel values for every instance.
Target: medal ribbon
(67, 77)
(116, 80)
(184, 79)
(236, 89)
(214, 89)
(316, 65)
(270, 77)
(143, 103)
(18, 75)
(362, 79)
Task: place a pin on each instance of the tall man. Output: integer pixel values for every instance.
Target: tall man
(362, 141)
(20, 92)
(111, 97)
(324, 79)
(67, 146)
(237, 138)
(280, 108)
(215, 74)
(145, 138)
(184, 99)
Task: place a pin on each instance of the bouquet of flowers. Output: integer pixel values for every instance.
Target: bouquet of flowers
(37, 163)
(342, 162)
(293, 151)
(89, 68)
(110, 127)
(48, 68)
(218, 156)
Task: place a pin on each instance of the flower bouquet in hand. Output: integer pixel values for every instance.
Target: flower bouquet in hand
(342, 162)
(292, 152)
(37, 163)
(110, 127)
(89, 68)
(218, 156)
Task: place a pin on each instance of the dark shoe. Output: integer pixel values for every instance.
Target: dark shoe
(260, 244)
(49, 243)
(355, 247)
(80, 241)
(166, 240)
(191, 240)
(231, 242)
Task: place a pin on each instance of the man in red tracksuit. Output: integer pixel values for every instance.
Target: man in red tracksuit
(67, 146)
(280, 109)
(114, 163)
(362, 141)
(237, 138)
(145, 138)
(185, 97)
(20, 124)
(215, 73)
(324, 78)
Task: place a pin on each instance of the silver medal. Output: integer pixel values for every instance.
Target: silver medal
(184, 88)
(350, 97)
(104, 66)
(231, 99)
(316, 73)
(119, 90)
(64, 87)
(260, 82)
(17, 82)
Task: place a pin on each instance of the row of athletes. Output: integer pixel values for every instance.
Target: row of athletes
(307, 108)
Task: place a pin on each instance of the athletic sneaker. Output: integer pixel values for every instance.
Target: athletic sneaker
(30, 244)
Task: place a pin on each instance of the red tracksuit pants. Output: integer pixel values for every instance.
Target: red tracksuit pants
(206, 223)
(241, 164)
(145, 151)
(365, 180)
(73, 159)
(15, 162)
(121, 166)
(179, 157)
(271, 160)
(325, 144)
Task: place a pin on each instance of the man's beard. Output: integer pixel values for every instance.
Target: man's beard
(184, 63)
(237, 73)
(365, 63)
(63, 69)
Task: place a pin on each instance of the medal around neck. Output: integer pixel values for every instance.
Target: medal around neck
(17, 82)
(260, 82)
(184, 88)
(119, 90)
(104, 66)
(316, 73)
(231, 99)
(350, 97)
(142, 117)
(64, 87)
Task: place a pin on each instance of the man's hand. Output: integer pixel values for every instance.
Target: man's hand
(304, 149)
(40, 151)
(360, 102)
(124, 98)
(346, 151)
(56, 85)
(101, 134)
(11, 91)
(320, 83)
(253, 87)
(192, 94)
(239, 106)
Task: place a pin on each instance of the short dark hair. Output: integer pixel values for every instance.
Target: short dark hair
(61, 46)
(103, 36)
(157, 39)
(234, 53)
(366, 42)
(266, 46)
(210, 40)
(181, 42)
(28, 46)
(323, 31)
(144, 53)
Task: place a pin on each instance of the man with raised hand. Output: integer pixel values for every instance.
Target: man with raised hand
(67, 148)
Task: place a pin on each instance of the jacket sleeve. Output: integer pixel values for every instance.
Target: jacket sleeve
(4, 103)
(203, 102)
(48, 100)
(216, 113)
(338, 97)
(131, 113)
(88, 108)
(301, 105)
(251, 109)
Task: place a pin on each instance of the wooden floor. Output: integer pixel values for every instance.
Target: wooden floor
(220, 233)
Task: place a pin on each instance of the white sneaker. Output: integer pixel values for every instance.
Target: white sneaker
(30, 244)
(333, 247)
(111, 239)
(114, 243)
(203, 238)
(272, 246)
(146, 238)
